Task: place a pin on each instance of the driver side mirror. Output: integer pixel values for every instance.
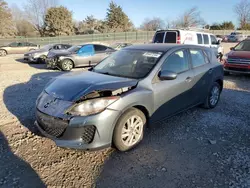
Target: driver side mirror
(232, 48)
(219, 42)
(167, 75)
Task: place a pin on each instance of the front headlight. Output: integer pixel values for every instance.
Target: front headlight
(92, 106)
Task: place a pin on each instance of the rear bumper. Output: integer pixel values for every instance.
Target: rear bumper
(74, 136)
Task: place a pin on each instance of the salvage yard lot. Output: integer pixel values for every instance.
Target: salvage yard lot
(198, 148)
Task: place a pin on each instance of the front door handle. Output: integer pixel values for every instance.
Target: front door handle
(188, 79)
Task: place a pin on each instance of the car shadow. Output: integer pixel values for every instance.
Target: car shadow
(34, 65)
(20, 98)
(177, 152)
(14, 171)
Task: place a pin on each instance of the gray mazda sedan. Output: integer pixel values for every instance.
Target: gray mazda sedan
(111, 104)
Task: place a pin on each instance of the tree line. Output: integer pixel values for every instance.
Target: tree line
(47, 18)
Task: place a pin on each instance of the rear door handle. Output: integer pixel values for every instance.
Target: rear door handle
(210, 71)
(188, 79)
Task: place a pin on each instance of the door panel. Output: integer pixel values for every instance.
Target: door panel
(98, 57)
(203, 72)
(172, 96)
(84, 56)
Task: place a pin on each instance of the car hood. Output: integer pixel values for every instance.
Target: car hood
(36, 51)
(239, 54)
(55, 53)
(74, 86)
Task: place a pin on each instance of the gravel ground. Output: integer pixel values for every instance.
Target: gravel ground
(198, 148)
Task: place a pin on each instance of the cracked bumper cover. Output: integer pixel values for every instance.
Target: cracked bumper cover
(104, 123)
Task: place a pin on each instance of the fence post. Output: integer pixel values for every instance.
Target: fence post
(147, 36)
(92, 36)
(136, 35)
(114, 36)
(125, 36)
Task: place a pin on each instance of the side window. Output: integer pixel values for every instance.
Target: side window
(100, 48)
(55, 47)
(159, 37)
(213, 40)
(177, 62)
(205, 38)
(197, 58)
(87, 50)
(199, 37)
(13, 44)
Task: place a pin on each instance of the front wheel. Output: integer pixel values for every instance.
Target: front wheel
(129, 129)
(42, 59)
(213, 96)
(66, 65)
(3, 53)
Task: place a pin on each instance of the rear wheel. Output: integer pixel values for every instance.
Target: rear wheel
(129, 129)
(213, 96)
(66, 65)
(3, 53)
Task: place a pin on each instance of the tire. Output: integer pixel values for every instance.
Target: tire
(66, 65)
(41, 59)
(3, 53)
(128, 142)
(214, 93)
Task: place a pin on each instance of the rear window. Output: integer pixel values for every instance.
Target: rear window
(199, 37)
(170, 37)
(159, 37)
(205, 38)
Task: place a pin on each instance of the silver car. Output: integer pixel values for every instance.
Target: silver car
(112, 103)
(39, 56)
(17, 48)
(78, 56)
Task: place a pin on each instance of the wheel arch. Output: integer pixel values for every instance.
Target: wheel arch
(67, 58)
(4, 50)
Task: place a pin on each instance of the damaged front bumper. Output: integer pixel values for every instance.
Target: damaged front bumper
(87, 133)
(51, 63)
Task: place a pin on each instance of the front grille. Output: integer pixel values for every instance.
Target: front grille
(51, 125)
(88, 133)
(238, 61)
(238, 69)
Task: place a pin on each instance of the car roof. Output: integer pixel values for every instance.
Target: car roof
(161, 47)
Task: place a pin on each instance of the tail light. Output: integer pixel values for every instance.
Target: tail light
(178, 40)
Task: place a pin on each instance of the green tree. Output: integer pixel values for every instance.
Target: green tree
(116, 19)
(7, 27)
(227, 25)
(58, 21)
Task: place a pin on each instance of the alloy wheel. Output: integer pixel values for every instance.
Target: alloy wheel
(214, 97)
(132, 130)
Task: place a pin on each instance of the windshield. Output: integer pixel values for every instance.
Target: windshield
(74, 49)
(129, 63)
(47, 47)
(243, 46)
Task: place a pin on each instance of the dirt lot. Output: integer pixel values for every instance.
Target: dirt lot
(198, 148)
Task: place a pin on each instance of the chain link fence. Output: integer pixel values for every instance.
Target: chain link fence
(138, 36)
(143, 36)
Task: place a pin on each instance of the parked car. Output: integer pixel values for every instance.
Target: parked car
(77, 56)
(118, 46)
(238, 59)
(39, 56)
(188, 37)
(111, 103)
(17, 48)
(236, 37)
